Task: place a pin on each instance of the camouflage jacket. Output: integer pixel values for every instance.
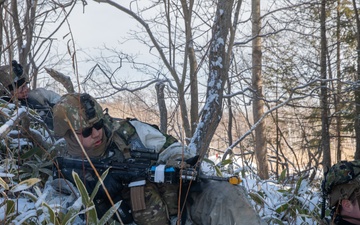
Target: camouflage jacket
(123, 138)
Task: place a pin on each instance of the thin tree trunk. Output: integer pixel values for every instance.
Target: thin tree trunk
(357, 91)
(325, 140)
(193, 65)
(258, 103)
(162, 106)
(337, 104)
(218, 73)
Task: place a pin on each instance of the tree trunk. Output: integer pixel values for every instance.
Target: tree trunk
(193, 65)
(357, 90)
(162, 106)
(258, 103)
(337, 102)
(218, 73)
(325, 137)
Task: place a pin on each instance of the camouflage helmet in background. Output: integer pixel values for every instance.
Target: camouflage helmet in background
(81, 110)
(5, 78)
(11, 75)
(341, 181)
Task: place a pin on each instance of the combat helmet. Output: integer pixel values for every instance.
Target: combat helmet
(81, 110)
(341, 181)
(12, 76)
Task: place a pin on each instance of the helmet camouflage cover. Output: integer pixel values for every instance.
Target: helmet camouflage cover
(11, 75)
(80, 110)
(341, 181)
(5, 78)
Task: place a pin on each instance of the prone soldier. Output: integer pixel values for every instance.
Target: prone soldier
(89, 132)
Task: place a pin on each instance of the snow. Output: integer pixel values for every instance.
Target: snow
(278, 195)
(274, 194)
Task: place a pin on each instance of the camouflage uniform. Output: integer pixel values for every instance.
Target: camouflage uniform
(341, 182)
(118, 140)
(221, 203)
(210, 203)
(40, 99)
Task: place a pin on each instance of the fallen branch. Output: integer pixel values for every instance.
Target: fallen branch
(61, 78)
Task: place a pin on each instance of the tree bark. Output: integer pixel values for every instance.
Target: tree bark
(62, 79)
(357, 90)
(162, 106)
(325, 137)
(337, 102)
(258, 102)
(218, 73)
(193, 65)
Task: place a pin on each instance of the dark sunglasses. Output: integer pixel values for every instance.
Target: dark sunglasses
(86, 132)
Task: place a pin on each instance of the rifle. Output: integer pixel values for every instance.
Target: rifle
(141, 167)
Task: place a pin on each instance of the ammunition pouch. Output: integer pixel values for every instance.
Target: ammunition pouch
(137, 195)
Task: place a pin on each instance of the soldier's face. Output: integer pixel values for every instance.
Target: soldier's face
(351, 210)
(95, 139)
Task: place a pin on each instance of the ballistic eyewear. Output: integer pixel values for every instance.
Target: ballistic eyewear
(86, 132)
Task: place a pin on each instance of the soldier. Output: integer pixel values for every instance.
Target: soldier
(81, 121)
(105, 139)
(16, 88)
(341, 187)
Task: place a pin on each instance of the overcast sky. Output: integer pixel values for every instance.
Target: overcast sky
(98, 24)
(93, 27)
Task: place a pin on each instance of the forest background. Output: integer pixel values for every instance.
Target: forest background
(260, 81)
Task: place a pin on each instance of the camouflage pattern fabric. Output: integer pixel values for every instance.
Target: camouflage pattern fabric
(155, 212)
(71, 107)
(11, 76)
(169, 193)
(5, 78)
(221, 203)
(341, 181)
(46, 98)
(122, 128)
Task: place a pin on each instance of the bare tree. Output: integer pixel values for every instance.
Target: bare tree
(23, 33)
(219, 62)
(258, 102)
(325, 136)
(357, 91)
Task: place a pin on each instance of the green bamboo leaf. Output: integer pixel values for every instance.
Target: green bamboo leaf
(81, 187)
(30, 153)
(10, 207)
(257, 198)
(87, 202)
(52, 216)
(108, 215)
(209, 161)
(97, 186)
(276, 221)
(30, 195)
(25, 184)
(72, 213)
(218, 171)
(226, 162)
(282, 208)
(46, 171)
(70, 216)
(4, 184)
(282, 176)
(91, 214)
(298, 185)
